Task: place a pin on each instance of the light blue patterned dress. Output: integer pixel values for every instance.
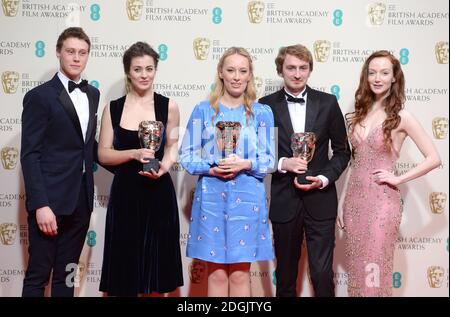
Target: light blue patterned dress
(229, 222)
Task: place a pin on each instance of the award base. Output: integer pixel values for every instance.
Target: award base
(301, 179)
(153, 164)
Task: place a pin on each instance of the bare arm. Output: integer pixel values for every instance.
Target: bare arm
(172, 134)
(340, 215)
(411, 126)
(425, 145)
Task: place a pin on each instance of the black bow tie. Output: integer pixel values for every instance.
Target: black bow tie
(82, 85)
(300, 100)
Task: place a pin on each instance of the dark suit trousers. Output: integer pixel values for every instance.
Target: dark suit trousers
(320, 239)
(55, 253)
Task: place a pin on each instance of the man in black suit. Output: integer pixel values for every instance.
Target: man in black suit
(305, 209)
(59, 121)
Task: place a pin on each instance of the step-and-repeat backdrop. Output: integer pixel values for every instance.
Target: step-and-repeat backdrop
(190, 37)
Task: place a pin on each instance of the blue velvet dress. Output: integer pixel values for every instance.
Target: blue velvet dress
(229, 222)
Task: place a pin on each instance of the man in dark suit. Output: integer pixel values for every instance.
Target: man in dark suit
(305, 209)
(59, 121)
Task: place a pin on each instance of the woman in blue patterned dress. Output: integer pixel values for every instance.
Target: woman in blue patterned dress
(229, 224)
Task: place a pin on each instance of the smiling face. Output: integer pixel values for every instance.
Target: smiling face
(73, 57)
(142, 72)
(235, 74)
(295, 73)
(380, 76)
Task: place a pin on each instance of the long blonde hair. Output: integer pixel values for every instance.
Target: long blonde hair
(218, 91)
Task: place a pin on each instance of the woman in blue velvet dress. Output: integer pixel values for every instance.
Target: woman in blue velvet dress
(229, 225)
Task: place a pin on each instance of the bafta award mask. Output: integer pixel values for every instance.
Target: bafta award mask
(227, 136)
(150, 136)
(303, 146)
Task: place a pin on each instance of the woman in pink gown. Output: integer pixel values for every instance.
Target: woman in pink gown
(371, 211)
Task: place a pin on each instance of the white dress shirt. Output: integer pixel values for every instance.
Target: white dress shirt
(80, 101)
(297, 113)
(81, 104)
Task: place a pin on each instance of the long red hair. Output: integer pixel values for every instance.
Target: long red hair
(365, 98)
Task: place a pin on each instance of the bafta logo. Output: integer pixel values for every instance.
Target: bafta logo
(438, 201)
(376, 13)
(10, 156)
(255, 10)
(134, 9)
(259, 85)
(201, 48)
(10, 82)
(322, 50)
(440, 127)
(435, 275)
(441, 51)
(197, 271)
(8, 233)
(10, 7)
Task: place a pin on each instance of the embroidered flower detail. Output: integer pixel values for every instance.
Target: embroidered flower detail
(241, 242)
(246, 227)
(216, 229)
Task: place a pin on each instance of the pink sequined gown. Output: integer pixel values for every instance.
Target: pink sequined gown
(372, 218)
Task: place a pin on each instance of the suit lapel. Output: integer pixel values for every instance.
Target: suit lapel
(312, 109)
(67, 104)
(69, 107)
(92, 118)
(283, 114)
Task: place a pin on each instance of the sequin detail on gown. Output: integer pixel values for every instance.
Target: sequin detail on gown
(372, 218)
